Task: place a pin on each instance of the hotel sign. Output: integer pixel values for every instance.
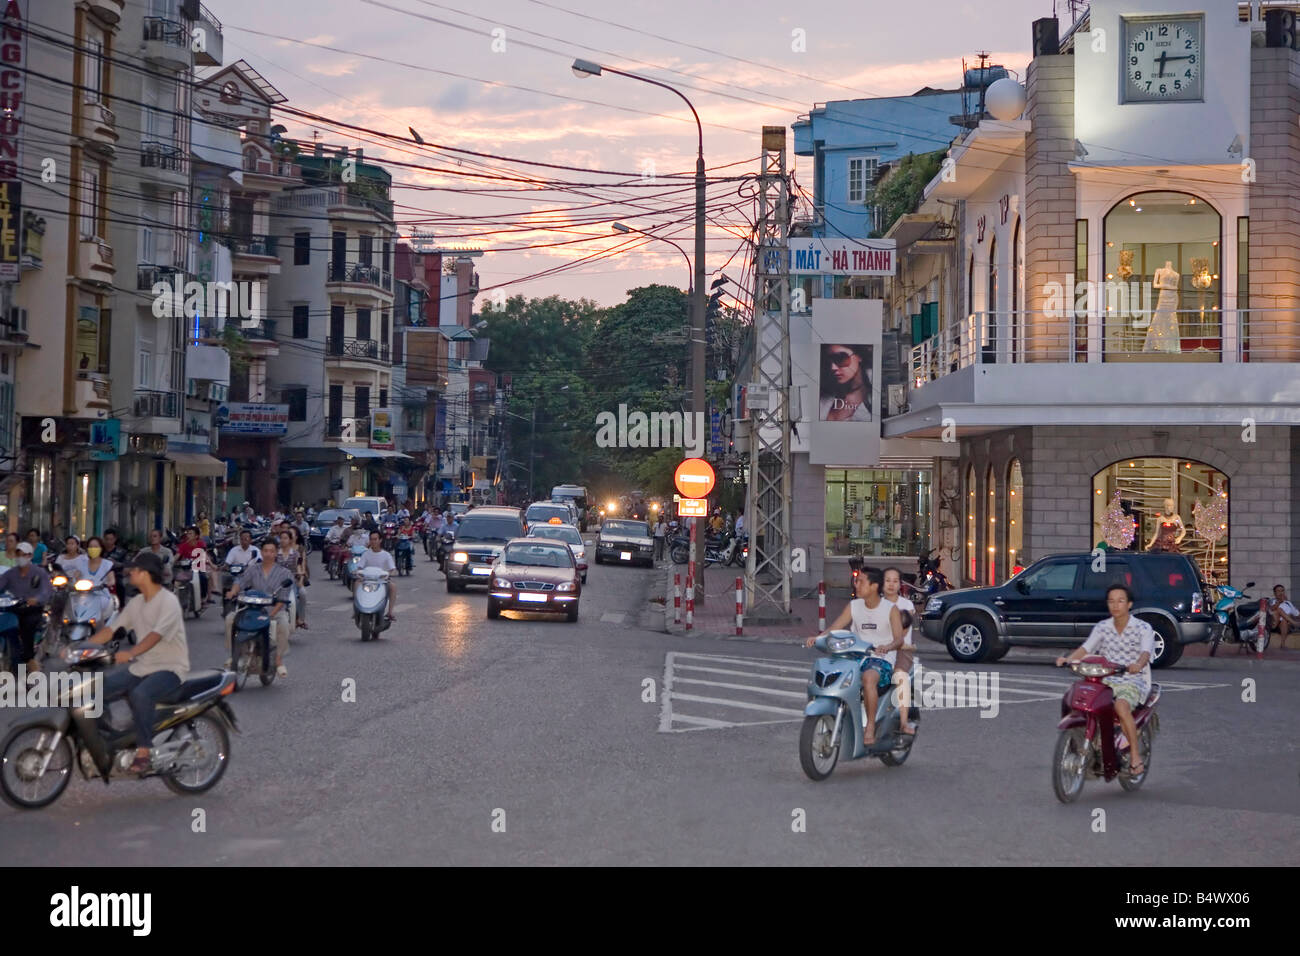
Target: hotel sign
(13, 73)
(843, 257)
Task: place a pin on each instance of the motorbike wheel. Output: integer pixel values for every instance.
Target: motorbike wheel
(1069, 765)
(267, 677)
(209, 742)
(243, 667)
(366, 633)
(896, 758)
(680, 555)
(816, 754)
(20, 759)
(1216, 637)
(1129, 782)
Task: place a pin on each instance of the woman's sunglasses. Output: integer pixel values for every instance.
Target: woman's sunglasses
(841, 358)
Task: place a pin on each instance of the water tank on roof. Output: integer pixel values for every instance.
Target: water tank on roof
(984, 76)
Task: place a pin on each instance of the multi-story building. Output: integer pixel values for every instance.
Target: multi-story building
(1116, 306)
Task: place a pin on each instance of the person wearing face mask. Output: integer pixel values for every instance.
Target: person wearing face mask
(27, 582)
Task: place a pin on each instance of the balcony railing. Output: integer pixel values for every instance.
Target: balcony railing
(1189, 336)
(162, 156)
(343, 271)
(360, 427)
(356, 349)
(149, 404)
(162, 30)
(206, 14)
(252, 245)
(264, 330)
(147, 276)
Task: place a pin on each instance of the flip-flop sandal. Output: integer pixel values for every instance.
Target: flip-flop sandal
(908, 733)
(1138, 772)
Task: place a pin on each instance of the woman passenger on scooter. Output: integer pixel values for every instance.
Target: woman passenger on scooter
(1123, 639)
(292, 557)
(71, 562)
(874, 620)
(100, 570)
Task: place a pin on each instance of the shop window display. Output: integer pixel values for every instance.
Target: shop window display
(877, 512)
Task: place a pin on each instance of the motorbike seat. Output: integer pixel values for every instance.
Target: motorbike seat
(196, 683)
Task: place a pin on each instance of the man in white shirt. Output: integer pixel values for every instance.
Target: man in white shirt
(162, 554)
(243, 553)
(377, 557)
(357, 536)
(1283, 616)
(336, 532)
(160, 659)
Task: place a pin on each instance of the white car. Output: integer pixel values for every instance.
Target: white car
(570, 536)
(625, 542)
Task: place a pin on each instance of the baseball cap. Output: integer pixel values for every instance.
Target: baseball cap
(147, 561)
(24, 547)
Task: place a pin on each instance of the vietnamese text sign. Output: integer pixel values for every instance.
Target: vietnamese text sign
(13, 81)
(252, 418)
(842, 257)
(693, 508)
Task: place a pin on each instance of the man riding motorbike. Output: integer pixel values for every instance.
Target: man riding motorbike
(29, 583)
(377, 557)
(274, 580)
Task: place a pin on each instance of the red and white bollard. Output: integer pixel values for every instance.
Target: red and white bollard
(677, 599)
(821, 606)
(690, 603)
(740, 606)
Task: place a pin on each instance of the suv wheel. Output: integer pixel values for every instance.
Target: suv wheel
(1167, 649)
(969, 640)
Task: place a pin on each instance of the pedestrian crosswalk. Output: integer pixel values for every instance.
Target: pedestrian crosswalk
(716, 691)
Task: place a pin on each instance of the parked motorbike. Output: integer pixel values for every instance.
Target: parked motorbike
(929, 579)
(1239, 619)
(717, 550)
(191, 744)
(1092, 742)
(185, 583)
(253, 645)
(736, 549)
(403, 554)
(835, 716)
(370, 603)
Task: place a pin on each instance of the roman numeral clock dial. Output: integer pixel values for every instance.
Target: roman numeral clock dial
(1163, 60)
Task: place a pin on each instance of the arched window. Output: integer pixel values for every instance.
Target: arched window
(991, 306)
(991, 503)
(970, 526)
(1015, 531)
(970, 286)
(1017, 263)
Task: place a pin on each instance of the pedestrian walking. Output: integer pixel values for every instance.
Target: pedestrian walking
(661, 530)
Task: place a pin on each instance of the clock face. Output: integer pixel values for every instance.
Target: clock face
(1163, 59)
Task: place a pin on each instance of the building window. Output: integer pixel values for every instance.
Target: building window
(363, 324)
(991, 569)
(877, 512)
(1017, 265)
(415, 419)
(365, 245)
(90, 179)
(991, 305)
(361, 401)
(302, 248)
(862, 171)
(1080, 275)
(301, 324)
(1015, 530)
(144, 369)
(970, 285)
(383, 398)
(93, 65)
(296, 399)
(334, 413)
(970, 525)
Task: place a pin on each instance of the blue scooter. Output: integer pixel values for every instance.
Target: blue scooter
(350, 568)
(10, 642)
(835, 716)
(251, 650)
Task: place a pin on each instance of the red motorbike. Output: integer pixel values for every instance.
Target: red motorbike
(335, 556)
(1092, 742)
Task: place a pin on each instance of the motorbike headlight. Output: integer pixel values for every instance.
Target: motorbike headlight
(934, 605)
(460, 557)
(839, 644)
(85, 584)
(1090, 669)
(59, 580)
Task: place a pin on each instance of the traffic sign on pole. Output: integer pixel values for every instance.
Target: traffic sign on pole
(694, 478)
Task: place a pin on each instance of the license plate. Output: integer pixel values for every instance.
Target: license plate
(480, 570)
(538, 598)
(625, 555)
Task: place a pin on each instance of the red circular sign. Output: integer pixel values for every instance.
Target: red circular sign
(694, 478)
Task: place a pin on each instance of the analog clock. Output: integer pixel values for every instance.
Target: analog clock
(1164, 59)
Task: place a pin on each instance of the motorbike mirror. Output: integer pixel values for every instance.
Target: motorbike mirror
(1250, 584)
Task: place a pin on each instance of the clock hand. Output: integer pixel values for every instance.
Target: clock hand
(1164, 56)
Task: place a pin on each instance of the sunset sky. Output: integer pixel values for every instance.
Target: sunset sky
(389, 69)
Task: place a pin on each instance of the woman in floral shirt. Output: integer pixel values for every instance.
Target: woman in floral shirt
(1123, 639)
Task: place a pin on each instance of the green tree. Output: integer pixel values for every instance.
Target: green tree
(899, 192)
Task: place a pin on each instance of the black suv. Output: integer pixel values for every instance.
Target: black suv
(1056, 601)
(480, 538)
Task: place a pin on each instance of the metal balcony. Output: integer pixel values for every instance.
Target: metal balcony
(252, 245)
(360, 427)
(162, 156)
(167, 43)
(356, 349)
(147, 276)
(263, 331)
(357, 272)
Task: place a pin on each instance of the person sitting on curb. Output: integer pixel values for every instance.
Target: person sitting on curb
(1283, 616)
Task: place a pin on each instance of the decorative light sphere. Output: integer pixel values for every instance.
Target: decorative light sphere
(1005, 99)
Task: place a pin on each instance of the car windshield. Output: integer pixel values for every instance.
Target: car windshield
(539, 555)
(542, 512)
(557, 531)
(639, 528)
(328, 516)
(487, 529)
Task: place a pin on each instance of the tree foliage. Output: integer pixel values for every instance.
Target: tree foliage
(900, 191)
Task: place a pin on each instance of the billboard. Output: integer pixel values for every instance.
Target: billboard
(839, 365)
(252, 418)
(381, 429)
(13, 81)
(842, 257)
(845, 382)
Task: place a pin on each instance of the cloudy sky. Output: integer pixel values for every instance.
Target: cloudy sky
(493, 77)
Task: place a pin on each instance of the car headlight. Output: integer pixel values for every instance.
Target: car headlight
(566, 586)
(934, 605)
(501, 583)
(460, 557)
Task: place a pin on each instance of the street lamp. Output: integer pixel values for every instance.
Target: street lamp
(583, 69)
(690, 270)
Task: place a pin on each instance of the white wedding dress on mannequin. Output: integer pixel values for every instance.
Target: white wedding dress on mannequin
(1163, 335)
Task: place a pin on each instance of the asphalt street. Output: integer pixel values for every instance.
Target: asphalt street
(536, 741)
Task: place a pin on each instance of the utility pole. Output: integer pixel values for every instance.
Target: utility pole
(767, 504)
(532, 448)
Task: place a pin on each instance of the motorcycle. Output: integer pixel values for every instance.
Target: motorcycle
(252, 650)
(929, 579)
(1092, 742)
(350, 568)
(10, 642)
(53, 622)
(403, 554)
(370, 603)
(191, 744)
(334, 555)
(446, 542)
(1239, 619)
(89, 607)
(185, 584)
(736, 550)
(228, 581)
(835, 716)
(717, 550)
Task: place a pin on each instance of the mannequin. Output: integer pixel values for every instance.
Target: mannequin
(1164, 334)
(1169, 531)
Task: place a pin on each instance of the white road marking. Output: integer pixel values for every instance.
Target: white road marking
(613, 617)
(737, 703)
(758, 690)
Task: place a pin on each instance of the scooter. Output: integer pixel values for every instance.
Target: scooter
(229, 580)
(403, 554)
(185, 583)
(1239, 619)
(252, 650)
(53, 621)
(9, 639)
(191, 744)
(350, 568)
(370, 603)
(717, 550)
(334, 553)
(929, 579)
(736, 550)
(89, 607)
(835, 716)
(1092, 742)
(446, 542)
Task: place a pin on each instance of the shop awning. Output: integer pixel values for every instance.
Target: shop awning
(360, 451)
(189, 463)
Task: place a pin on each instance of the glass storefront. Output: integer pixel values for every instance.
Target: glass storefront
(1015, 515)
(877, 512)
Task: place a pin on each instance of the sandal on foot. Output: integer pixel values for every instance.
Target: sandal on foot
(140, 765)
(282, 671)
(1137, 771)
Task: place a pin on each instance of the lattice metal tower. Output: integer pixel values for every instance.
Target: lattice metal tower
(767, 507)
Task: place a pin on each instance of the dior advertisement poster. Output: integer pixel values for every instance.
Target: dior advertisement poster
(836, 358)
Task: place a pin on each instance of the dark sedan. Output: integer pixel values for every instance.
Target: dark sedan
(325, 520)
(535, 574)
